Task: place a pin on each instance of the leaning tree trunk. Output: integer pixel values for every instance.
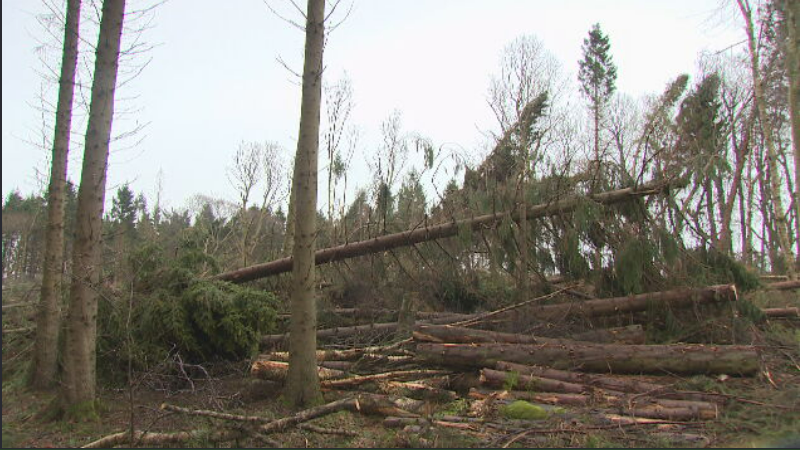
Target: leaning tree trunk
(45, 355)
(78, 390)
(302, 380)
(444, 230)
(781, 225)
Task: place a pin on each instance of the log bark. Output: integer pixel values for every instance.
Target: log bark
(609, 383)
(433, 232)
(278, 370)
(788, 312)
(632, 334)
(417, 390)
(784, 285)
(399, 375)
(677, 298)
(584, 395)
(511, 381)
(684, 359)
(339, 332)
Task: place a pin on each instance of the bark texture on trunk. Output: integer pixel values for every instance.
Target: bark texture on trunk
(302, 387)
(686, 359)
(792, 21)
(78, 389)
(444, 230)
(48, 318)
(677, 298)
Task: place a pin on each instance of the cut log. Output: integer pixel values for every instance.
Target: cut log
(638, 405)
(684, 359)
(399, 375)
(608, 383)
(511, 381)
(781, 313)
(784, 285)
(677, 298)
(417, 390)
(340, 332)
(632, 334)
(431, 232)
(346, 355)
(278, 370)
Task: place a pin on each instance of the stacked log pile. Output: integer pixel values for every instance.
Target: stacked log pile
(600, 379)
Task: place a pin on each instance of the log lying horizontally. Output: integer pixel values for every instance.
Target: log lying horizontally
(608, 383)
(630, 405)
(788, 312)
(684, 359)
(278, 370)
(428, 233)
(339, 332)
(448, 333)
(678, 298)
(784, 285)
(632, 334)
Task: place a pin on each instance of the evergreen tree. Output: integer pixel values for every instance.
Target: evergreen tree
(598, 77)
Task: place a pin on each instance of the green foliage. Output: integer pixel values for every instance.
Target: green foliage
(569, 258)
(632, 263)
(169, 310)
(511, 381)
(709, 266)
(522, 410)
(598, 73)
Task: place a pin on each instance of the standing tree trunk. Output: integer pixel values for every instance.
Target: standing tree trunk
(781, 227)
(792, 20)
(45, 355)
(303, 381)
(78, 390)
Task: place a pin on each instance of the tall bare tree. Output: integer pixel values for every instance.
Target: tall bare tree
(302, 381)
(781, 225)
(45, 356)
(78, 389)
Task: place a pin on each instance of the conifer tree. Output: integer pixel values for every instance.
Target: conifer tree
(598, 77)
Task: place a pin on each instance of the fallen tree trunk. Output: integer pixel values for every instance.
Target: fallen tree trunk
(417, 390)
(453, 334)
(339, 332)
(583, 395)
(428, 233)
(608, 383)
(677, 298)
(684, 359)
(399, 375)
(278, 370)
(784, 285)
(788, 312)
(632, 334)
(372, 404)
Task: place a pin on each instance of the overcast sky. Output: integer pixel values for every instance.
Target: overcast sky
(214, 79)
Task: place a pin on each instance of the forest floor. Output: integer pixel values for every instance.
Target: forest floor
(761, 411)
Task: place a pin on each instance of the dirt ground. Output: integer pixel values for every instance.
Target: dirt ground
(762, 411)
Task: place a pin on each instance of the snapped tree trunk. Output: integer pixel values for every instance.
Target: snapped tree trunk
(444, 230)
(78, 389)
(686, 359)
(302, 387)
(45, 355)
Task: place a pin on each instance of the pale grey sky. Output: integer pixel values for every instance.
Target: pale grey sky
(214, 80)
